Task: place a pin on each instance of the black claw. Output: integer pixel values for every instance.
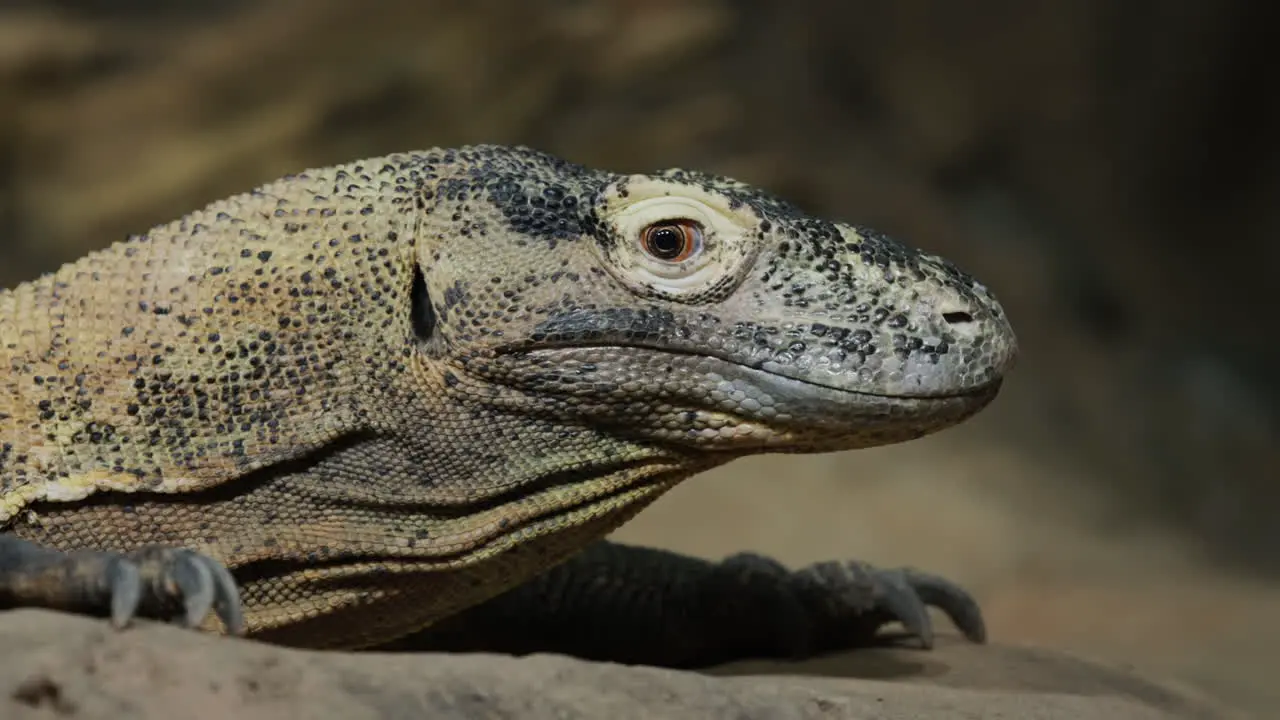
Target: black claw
(858, 593)
(227, 598)
(190, 573)
(125, 583)
(900, 599)
(180, 578)
(164, 583)
(951, 599)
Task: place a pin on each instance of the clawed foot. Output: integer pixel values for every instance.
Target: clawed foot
(837, 605)
(881, 596)
(171, 584)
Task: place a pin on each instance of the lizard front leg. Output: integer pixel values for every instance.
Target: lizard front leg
(629, 604)
(165, 583)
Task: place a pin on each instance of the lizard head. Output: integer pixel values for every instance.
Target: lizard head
(697, 310)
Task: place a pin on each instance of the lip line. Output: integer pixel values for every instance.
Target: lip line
(978, 391)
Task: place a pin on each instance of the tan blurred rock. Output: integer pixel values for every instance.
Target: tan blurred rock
(62, 666)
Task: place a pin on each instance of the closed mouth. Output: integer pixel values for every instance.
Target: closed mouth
(770, 378)
(720, 404)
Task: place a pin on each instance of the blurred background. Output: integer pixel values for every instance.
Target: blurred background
(1110, 169)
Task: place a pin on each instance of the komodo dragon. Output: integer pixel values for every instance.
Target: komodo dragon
(399, 402)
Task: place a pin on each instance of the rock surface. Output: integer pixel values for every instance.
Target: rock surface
(56, 665)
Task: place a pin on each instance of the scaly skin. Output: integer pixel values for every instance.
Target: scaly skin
(382, 393)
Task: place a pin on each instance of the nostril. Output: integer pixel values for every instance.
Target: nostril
(957, 317)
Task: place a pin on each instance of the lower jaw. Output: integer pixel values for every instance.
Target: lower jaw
(802, 416)
(704, 430)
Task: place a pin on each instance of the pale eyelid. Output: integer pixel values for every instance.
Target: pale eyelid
(704, 267)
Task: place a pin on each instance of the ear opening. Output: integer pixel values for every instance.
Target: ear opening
(421, 313)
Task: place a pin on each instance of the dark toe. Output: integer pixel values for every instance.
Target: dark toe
(899, 599)
(869, 597)
(193, 582)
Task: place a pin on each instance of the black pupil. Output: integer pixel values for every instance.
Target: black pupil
(666, 242)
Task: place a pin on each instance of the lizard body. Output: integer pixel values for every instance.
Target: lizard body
(383, 393)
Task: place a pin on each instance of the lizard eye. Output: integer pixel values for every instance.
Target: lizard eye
(672, 241)
(675, 240)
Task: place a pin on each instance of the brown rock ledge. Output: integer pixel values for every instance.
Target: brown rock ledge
(55, 665)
